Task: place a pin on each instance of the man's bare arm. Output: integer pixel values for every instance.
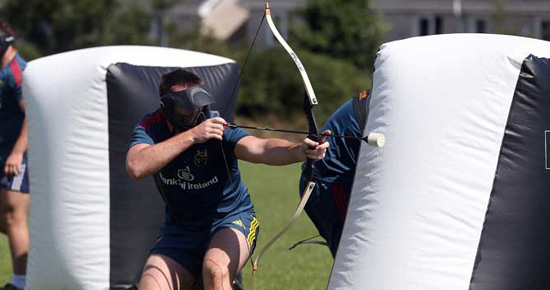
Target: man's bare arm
(15, 159)
(278, 151)
(143, 159)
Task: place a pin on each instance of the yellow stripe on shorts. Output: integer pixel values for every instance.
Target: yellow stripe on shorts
(252, 234)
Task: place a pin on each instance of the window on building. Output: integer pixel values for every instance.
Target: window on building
(526, 30)
(481, 26)
(430, 25)
(545, 30)
(424, 26)
(438, 25)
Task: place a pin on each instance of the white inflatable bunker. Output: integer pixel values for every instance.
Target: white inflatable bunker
(91, 226)
(460, 196)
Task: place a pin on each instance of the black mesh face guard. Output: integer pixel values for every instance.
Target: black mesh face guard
(194, 102)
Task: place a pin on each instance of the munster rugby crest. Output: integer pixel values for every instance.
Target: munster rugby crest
(201, 157)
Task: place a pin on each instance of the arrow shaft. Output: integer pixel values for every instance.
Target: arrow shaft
(290, 131)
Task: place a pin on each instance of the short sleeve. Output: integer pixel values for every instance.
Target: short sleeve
(140, 135)
(232, 137)
(15, 82)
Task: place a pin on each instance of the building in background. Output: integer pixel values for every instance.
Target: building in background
(223, 19)
(220, 18)
(409, 18)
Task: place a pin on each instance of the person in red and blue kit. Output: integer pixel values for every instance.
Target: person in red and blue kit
(210, 226)
(328, 203)
(14, 177)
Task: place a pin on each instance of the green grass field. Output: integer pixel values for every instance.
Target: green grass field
(274, 191)
(5, 261)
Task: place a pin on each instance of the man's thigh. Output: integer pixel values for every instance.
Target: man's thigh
(14, 197)
(229, 250)
(14, 201)
(163, 273)
(233, 242)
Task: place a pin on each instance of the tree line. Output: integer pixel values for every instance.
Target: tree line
(337, 41)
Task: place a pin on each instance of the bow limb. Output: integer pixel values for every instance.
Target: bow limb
(309, 89)
(309, 102)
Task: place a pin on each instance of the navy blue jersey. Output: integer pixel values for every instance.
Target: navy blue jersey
(11, 115)
(197, 186)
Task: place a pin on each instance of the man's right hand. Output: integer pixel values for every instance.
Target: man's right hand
(13, 164)
(211, 128)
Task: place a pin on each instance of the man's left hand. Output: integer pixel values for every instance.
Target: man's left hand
(316, 150)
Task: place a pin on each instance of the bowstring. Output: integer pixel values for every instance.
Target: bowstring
(241, 73)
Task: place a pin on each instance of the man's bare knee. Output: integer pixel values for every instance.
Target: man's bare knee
(215, 272)
(7, 211)
(11, 216)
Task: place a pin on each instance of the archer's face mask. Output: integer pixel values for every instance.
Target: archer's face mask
(186, 119)
(188, 108)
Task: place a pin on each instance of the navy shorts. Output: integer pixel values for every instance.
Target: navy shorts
(188, 246)
(18, 182)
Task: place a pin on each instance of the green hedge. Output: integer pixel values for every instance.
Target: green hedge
(272, 84)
